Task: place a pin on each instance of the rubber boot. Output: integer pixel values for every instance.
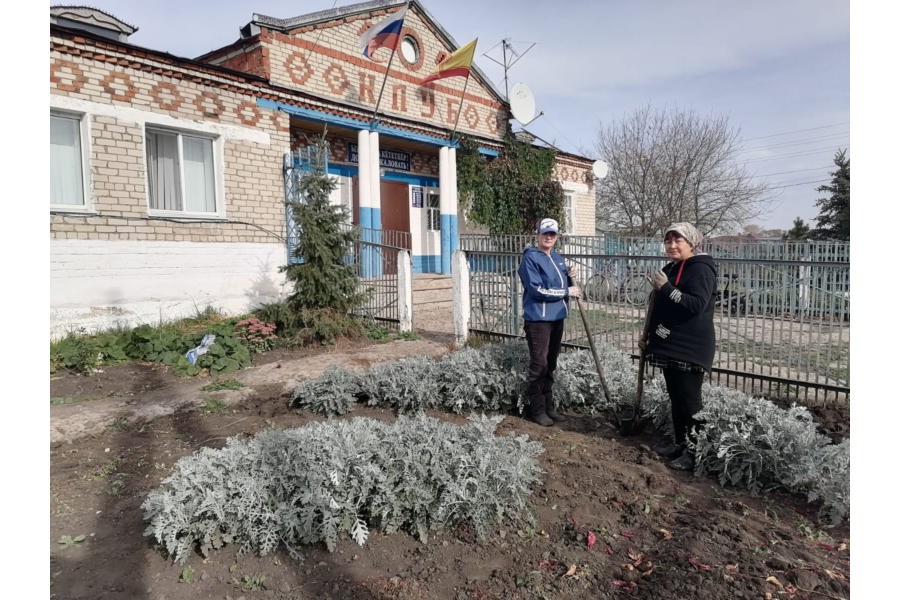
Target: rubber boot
(537, 411)
(550, 408)
(685, 462)
(668, 449)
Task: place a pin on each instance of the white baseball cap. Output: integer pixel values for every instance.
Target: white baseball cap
(548, 226)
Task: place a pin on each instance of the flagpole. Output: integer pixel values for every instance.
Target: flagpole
(462, 99)
(387, 72)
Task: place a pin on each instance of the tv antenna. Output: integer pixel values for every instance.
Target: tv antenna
(510, 57)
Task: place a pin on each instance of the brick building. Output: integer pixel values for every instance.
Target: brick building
(168, 173)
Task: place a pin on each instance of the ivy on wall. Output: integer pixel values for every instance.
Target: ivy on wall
(511, 193)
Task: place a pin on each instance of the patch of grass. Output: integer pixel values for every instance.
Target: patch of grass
(117, 484)
(808, 530)
(67, 541)
(379, 334)
(250, 583)
(222, 384)
(214, 406)
(120, 424)
(187, 574)
(408, 336)
(110, 467)
(61, 400)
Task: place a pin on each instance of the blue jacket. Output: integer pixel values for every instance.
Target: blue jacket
(546, 282)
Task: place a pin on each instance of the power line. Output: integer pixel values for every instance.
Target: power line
(762, 137)
(797, 142)
(795, 171)
(788, 185)
(791, 155)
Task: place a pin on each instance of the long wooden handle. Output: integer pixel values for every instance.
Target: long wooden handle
(642, 361)
(590, 338)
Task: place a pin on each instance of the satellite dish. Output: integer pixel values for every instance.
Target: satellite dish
(521, 102)
(600, 169)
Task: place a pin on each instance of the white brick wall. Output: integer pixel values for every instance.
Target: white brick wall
(98, 284)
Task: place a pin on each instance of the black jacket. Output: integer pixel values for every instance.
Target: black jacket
(681, 324)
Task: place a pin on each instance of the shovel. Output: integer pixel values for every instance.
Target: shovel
(633, 425)
(590, 338)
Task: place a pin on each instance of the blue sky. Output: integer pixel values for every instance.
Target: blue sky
(779, 70)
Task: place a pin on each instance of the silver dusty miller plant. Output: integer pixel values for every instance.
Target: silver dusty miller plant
(752, 443)
(309, 485)
(747, 442)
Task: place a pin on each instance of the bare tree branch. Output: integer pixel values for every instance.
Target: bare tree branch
(667, 166)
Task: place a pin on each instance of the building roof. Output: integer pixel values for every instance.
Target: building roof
(93, 20)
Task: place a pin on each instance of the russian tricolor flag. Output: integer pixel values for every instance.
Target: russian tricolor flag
(384, 34)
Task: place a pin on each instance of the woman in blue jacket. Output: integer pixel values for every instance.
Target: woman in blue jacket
(548, 285)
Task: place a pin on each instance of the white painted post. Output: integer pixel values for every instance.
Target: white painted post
(404, 290)
(462, 307)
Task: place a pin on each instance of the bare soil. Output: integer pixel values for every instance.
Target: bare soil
(613, 521)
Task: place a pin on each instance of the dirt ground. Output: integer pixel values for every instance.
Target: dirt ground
(612, 520)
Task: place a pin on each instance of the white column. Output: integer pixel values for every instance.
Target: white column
(375, 178)
(446, 206)
(365, 185)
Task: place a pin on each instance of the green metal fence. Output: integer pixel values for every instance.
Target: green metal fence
(782, 318)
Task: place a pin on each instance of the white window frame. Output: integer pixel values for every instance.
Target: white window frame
(342, 194)
(85, 149)
(217, 175)
(569, 208)
(432, 206)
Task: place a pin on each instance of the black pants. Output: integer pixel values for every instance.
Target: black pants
(544, 342)
(684, 393)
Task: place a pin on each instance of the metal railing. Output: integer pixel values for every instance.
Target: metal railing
(782, 324)
(376, 255)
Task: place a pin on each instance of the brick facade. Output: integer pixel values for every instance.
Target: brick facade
(256, 99)
(148, 92)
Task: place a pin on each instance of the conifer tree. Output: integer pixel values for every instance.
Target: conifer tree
(800, 230)
(833, 221)
(322, 277)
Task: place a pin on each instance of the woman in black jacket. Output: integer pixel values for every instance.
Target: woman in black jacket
(682, 338)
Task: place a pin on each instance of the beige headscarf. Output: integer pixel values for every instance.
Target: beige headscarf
(687, 231)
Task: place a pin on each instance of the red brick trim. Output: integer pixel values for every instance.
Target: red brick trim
(109, 86)
(161, 89)
(59, 77)
(241, 114)
(208, 98)
(298, 68)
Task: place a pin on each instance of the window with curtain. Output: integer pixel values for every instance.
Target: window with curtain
(180, 172)
(570, 211)
(433, 210)
(66, 161)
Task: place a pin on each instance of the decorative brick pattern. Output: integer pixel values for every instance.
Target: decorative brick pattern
(298, 68)
(326, 62)
(66, 75)
(248, 113)
(253, 183)
(119, 86)
(166, 95)
(208, 104)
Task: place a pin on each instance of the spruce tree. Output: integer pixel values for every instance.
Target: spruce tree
(800, 231)
(322, 276)
(833, 221)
